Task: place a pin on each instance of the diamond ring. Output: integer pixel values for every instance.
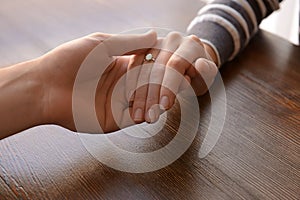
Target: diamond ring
(149, 57)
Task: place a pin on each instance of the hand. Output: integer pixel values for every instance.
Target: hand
(60, 67)
(175, 53)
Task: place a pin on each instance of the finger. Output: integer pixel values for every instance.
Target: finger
(174, 72)
(206, 72)
(153, 93)
(141, 94)
(99, 37)
(191, 48)
(156, 79)
(140, 98)
(118, 45)
(186, 82)
(132, 74)
(138, 51)
(171, 42)
(188, 51)
(168, 47)
(153, 113)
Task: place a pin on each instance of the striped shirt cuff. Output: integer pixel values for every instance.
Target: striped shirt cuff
(228, 25)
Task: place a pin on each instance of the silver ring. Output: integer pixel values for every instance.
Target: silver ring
(149, 57)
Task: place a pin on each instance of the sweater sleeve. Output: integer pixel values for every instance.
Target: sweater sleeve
(228, 25)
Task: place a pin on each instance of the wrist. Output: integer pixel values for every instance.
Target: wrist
(40, 77)
(57, 92)
(33, 86)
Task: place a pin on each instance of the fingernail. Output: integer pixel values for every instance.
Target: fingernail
(208, 73)
(152, 115)
(206, 68)
(164, 101)
(138, 114)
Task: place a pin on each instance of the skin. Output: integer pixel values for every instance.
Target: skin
(193, 60)
(40, 91)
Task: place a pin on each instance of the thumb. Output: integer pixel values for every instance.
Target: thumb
(118, 45)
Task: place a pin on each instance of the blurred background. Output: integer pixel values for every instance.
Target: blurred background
(285, 22)
(32, 27)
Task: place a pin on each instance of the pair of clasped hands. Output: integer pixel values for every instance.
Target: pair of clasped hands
(131, 89)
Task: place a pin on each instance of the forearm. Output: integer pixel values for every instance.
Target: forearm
(227, 26)
(21, 98)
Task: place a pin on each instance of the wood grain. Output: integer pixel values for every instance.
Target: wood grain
(256, 157)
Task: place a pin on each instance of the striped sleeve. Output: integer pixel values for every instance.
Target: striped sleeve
(228, 25)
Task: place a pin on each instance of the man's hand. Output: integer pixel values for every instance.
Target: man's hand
(61, 67)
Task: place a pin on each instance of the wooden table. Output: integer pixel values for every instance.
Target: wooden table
(256, 157)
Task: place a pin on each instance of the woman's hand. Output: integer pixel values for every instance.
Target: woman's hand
(176, 58)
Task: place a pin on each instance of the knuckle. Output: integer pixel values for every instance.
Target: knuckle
(139, 102)
(157, 72)
(98, 36)
(195, 38)
(176, 62)
(194, 41)
(174, 35)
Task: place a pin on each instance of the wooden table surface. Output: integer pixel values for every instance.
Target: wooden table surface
(257, 155)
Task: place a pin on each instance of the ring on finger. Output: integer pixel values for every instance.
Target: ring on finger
(149, 57)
